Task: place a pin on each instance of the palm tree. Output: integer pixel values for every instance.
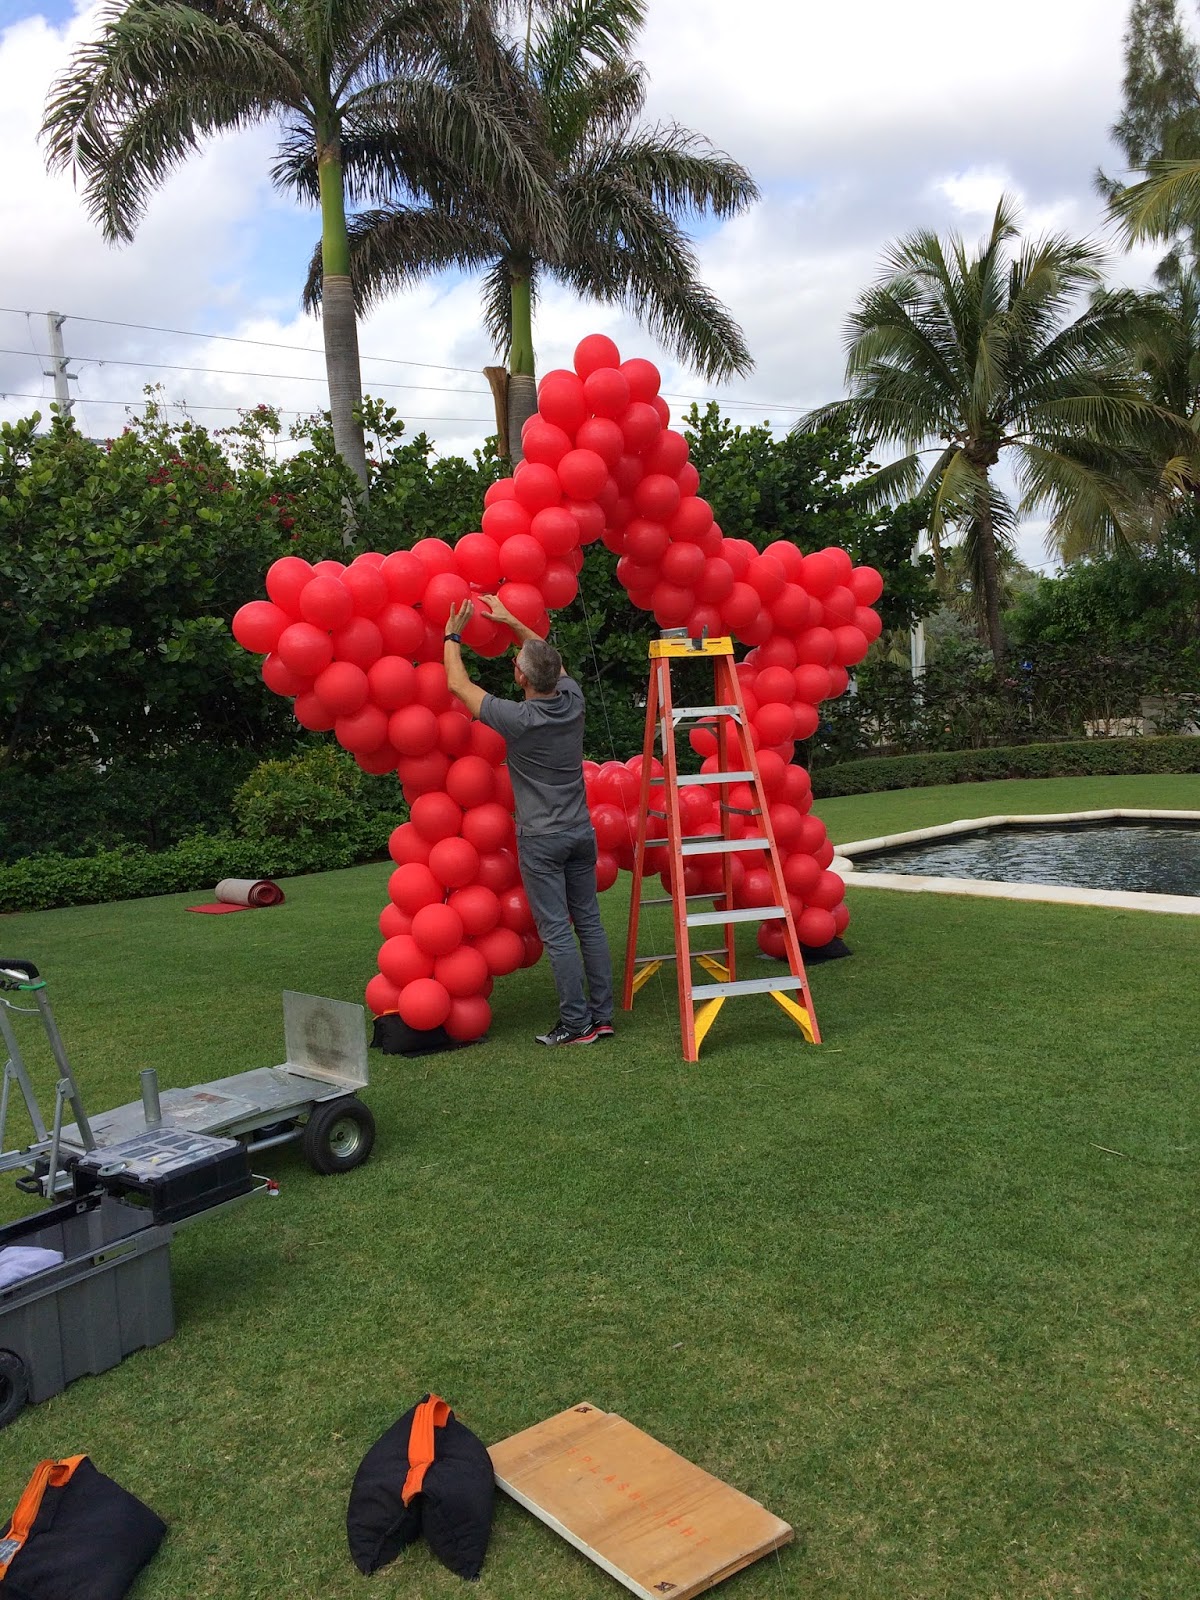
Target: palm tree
(623, 191)
(975, 358)
(388, 93)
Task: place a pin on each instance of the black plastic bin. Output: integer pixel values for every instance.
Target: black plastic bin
(168, 1171)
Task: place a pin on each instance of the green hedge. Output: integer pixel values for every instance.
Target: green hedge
(1070, 759)
(40, 883)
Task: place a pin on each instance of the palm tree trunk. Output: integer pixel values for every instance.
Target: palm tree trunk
(338, 321)
(522, 384)
(990, 571)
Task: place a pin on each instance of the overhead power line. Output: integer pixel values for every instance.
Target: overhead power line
(180, 405)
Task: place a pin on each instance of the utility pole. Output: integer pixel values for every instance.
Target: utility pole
(916, 638)
(58, 371)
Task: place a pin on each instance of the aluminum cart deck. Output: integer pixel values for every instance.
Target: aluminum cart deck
(310, 1097)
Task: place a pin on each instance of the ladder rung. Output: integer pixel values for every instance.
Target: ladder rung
(693, 954)
(669, 899)
(708, 919)
(713, 991)
(714, 777)
(718, 847)
(699, 713)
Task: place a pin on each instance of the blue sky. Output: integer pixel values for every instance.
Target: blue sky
(860, 123)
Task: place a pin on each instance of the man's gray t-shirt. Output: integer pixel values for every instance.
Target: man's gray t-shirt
(545, 757)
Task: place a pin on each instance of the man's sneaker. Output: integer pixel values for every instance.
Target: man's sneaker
(604, 1030)
(561, 1034)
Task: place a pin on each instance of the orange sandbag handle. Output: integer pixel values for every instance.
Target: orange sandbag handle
(47, 1474)
(430, 1414)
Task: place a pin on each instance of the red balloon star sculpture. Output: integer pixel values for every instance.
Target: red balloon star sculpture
(359, 650)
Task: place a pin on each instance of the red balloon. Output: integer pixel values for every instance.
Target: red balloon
(401, 630)
(312, 713)
(801, 873)
(740, 606)
(684, 564)
(656, 497)
(515, 912)
(646, 542)
(257, 626)
(432, 688)
(671, 605)
(766, 577)
(807, 721)
(366, 587)
(280, 678)
(437, 929)
(462, 972)
(469, 781)
(643, 378)
(288, 576)
(381, 995)
(391, 682)
(839, 681)
(412, 886)
(692, 520)
(489, 744)
(824, 856)
(377, 762)
(328, 568)
(640, 427)
(582, 474)
(815, 646)
(405, 844)
(499, 871)
(453, 862)
(363, 732)
(435, 816)
(522, 558)
(445, 591)
(326, 603)
(543, 442)
(815, 927)
(668, 454)
(435, 555)
(502, 949)
(536, 486)
(560, 400)
(468, 1019)
(868, 623)
(559, 585)
(360, 642)
(688, 480)
(772, 769)
(594, 352)
(606, 391)
(822, 572)
(771, 940)
(413, 729)
(556, 530)
(589, 518)
(524, 601)
(715, 582)
(305, 649)
(405, 577)
(827, 892)
(866, 585)
(812, 683)
(602, 435)
(342, 687)
(504, 519)
(606, 870)
(402, 961)
(478, 907)
(502, 489)
(775, 683)
(489, 827)
(453, 732)
(849, 646)
(841, 919)
(774, 723)
(424, 1004)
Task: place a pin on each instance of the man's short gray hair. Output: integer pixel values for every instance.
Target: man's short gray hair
(541, 664)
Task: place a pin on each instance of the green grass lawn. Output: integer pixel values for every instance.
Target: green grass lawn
(899, 1288)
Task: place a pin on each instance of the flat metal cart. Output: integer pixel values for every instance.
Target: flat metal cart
(311, 1097)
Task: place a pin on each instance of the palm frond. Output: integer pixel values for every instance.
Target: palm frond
(679, 170)
(396, 247)
(1163, 204)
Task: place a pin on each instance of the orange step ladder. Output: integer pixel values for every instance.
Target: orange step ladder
(699, 1004)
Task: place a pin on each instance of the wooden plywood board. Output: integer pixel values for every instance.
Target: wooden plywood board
(658, 1524)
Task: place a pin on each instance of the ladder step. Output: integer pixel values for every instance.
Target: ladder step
(692, 954)
(714, 777)
(714, 991)
(702, 713)
(669, 899)
(719, 847)
(709, 919)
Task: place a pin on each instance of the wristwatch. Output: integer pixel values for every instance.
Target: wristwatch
(452, 638)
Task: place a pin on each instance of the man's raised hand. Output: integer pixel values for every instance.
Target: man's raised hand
(460, 616)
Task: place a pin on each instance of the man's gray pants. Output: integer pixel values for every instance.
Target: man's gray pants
(559, 874)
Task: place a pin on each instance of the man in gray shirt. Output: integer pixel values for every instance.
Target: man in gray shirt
(556, 846)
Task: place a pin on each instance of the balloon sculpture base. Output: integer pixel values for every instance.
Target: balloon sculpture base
(394, 1037)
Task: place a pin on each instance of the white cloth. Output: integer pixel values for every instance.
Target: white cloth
(19, 1261)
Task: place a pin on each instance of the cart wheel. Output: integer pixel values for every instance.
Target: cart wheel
(338, 1135)
(14, 1387)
